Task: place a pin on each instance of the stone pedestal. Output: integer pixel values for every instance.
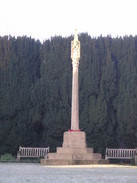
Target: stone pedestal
(73, 151)
(74, 140)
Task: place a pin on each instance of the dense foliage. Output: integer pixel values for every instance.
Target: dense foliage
(35, 91)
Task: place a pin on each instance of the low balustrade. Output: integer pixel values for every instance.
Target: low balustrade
(120, 153)
(32, 152)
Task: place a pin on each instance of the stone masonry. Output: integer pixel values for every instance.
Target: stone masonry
(74, 149)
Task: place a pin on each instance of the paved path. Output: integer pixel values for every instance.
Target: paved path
(36, 173)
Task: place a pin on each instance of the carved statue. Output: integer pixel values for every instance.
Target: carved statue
(75, 48)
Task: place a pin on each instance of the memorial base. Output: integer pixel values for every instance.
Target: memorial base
(74, 151)
(58, 162)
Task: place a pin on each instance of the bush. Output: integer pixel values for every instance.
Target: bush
(7, 157)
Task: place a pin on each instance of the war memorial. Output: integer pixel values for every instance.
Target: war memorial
(74, 149)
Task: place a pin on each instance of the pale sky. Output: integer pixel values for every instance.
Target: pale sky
(42, 19)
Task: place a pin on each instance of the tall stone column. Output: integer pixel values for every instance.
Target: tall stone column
(75, 56)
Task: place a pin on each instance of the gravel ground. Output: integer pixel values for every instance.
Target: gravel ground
(36, 173)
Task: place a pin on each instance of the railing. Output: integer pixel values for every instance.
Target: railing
(32, 152)
(120, 153)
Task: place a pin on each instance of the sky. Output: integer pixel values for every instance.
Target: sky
(42, 19)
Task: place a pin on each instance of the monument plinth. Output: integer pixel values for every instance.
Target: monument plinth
(74, 149)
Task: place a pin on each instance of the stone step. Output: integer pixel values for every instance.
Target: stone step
(88, 156)
(73, 162)
(74, 156)
(55, 156)
(66, 150)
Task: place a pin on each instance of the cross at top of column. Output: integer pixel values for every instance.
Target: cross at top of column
(75, 48)
(76, 35)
